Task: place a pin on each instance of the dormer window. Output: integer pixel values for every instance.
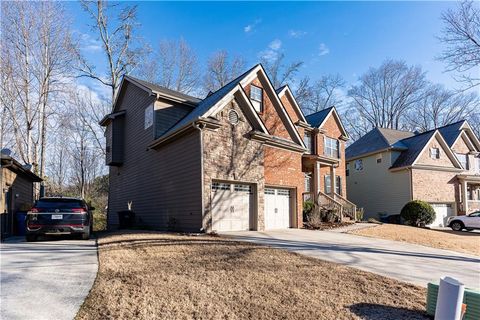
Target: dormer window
(256, 95)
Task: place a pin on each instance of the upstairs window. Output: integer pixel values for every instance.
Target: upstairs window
(463, 158)
(347, 171)
(308, 182)
(307, 139)
(256, 95)
(478, 170)
(332, 147)
(149, 116)
(359, 165)
(435, 153)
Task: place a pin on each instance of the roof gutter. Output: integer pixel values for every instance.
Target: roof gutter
(363, 155)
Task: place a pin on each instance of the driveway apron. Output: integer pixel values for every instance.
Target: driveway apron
(403, 261)
(46, 279)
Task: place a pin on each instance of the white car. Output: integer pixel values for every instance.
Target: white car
(469, 222)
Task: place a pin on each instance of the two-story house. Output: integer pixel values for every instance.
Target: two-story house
(235, 160)
(387, 168)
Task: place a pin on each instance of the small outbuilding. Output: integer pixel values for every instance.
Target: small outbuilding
(18, 185)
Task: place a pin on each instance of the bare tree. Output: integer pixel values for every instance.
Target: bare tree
(221, 69)
(440, 106)
(385, 94)
(279, 72)
(322, 94)
(120, 45)
(461, 36)
(174, 66)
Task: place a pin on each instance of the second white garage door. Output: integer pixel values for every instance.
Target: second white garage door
(277, 208)
(442, 212)
(231, 206)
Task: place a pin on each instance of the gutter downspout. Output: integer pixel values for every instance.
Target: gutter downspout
(199, 127)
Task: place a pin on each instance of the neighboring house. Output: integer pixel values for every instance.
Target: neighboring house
(235, 160)
(17, 183)
(387, 168)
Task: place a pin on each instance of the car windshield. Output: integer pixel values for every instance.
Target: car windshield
(58, 203)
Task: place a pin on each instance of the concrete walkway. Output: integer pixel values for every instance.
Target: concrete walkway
(403, 261)
(45, 279)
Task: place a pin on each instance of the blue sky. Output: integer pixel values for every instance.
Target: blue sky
(330, 37)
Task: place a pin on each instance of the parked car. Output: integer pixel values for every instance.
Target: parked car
(59, 215)
(468, 222)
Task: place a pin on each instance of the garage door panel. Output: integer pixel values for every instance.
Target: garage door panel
(231, 205)
(442, 212)
(277, 208)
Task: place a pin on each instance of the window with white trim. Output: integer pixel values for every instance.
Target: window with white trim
(463, 158)
(149, 116)
(478, 169)
(308, 182)
(331, 147)
(379, 158)
(359, 165)
(347, 171)
(435, 153)
(338, 185)
(256, 95)
(328, 184)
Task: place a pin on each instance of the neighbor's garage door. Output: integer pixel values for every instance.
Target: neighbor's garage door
(231, 206)
(442, 211)
(277, 208)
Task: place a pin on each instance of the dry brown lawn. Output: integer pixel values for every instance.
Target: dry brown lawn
(148, 275)
(465, 242)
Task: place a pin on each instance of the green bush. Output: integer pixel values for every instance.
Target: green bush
(418, 213)
(307, 208)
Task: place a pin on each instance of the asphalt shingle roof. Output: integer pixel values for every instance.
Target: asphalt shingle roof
(377, 139)
(315, 119)
(157, 88)
(415, 145)
(207, 103)
(451, 132)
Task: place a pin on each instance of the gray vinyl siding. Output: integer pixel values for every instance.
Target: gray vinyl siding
(377, 189)
(166, 115)
(164, 185)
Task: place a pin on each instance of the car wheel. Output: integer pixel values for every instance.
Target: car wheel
(456, 226)
(31, 238)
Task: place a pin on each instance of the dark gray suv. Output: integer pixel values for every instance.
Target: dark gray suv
(59, 215)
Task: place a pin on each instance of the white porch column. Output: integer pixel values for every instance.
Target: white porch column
(465, 196)
(332, 181)
(316, 181)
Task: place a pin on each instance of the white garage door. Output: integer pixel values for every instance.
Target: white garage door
(277, 208)
(231, 206)
(442, 211)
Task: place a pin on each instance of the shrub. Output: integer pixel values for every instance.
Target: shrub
(307, 209)
(418, 213)
(360, 214)
(320, 215)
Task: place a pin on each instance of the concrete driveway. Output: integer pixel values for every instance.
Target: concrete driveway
(403, 261)
(45, 279)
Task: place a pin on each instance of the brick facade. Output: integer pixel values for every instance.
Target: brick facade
(332, 130)
(426, 159)
(434, 185)
(228, 154)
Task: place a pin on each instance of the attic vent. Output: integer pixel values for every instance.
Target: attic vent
(233, 117)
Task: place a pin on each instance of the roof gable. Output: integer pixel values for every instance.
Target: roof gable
(418, 145)
(285, 91)
(259, 72)
(318, 119)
